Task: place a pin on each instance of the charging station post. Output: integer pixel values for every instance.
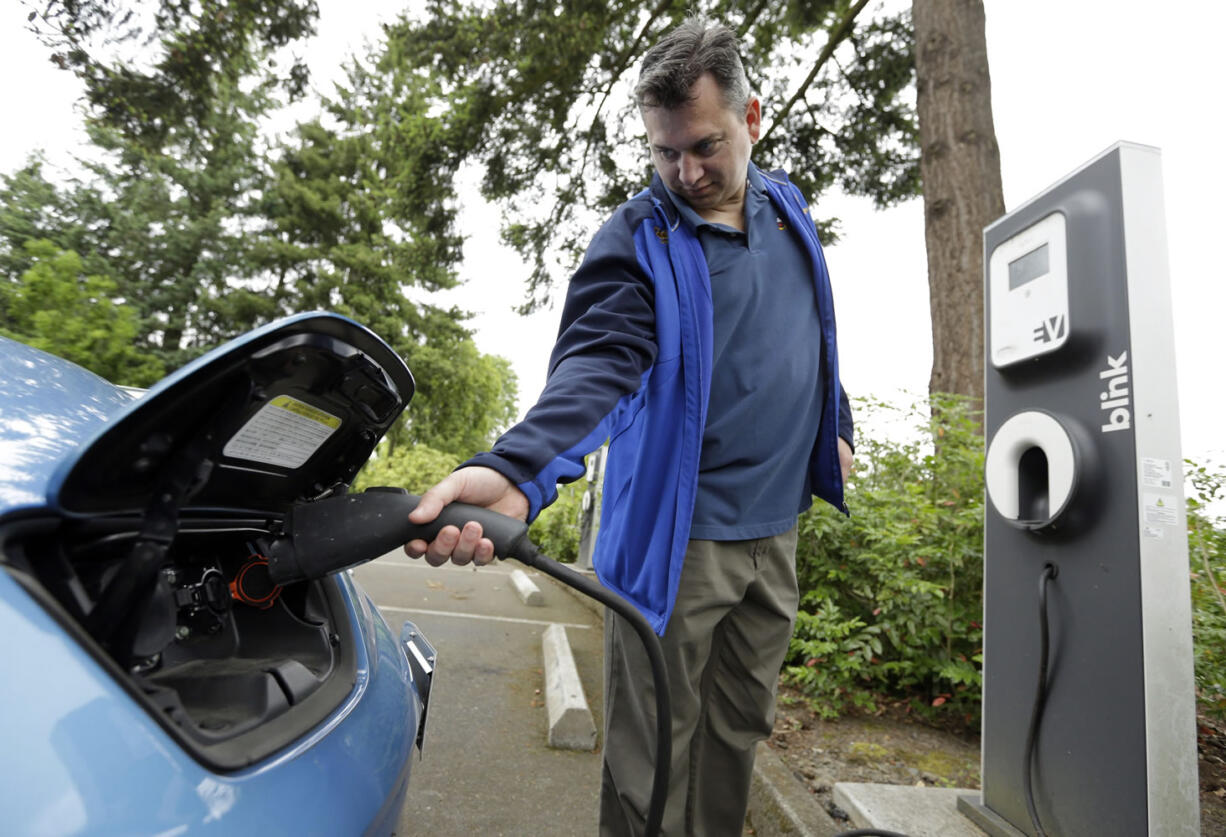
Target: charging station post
(1086, 525)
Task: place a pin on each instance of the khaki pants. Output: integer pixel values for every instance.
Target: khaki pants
(724, 646)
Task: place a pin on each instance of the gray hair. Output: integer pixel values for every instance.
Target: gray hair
(682, 56)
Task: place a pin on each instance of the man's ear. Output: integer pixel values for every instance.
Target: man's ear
(753, 118)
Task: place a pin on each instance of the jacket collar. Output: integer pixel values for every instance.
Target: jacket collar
(660, 196)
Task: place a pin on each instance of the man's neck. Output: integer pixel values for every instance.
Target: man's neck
(731, 214)
(729, 217)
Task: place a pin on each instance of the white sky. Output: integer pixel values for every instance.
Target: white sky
(1069, 79)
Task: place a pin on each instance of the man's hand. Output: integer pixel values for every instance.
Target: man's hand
(845, 458)
(476, 486)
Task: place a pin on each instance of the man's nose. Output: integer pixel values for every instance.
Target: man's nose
(690, 169)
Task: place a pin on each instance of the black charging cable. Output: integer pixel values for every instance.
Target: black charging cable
(1040, 700)
(526, 553)
(1036, 717)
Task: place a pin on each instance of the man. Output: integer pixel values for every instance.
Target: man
(698, 336)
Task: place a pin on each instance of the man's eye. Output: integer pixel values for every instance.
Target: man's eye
(707, 148)
(667, 154)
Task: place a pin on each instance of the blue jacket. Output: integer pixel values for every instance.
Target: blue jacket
(632, 364)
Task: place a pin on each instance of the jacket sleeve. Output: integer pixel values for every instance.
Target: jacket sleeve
(606, 346)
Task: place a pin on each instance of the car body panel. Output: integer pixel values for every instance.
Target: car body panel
(84, 758)
(50, 408)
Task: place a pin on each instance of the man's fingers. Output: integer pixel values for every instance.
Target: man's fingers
(484, 552)
(428, 508)
(470, 537)
(434, 499)
(442, 546)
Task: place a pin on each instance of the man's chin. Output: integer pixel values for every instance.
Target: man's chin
(703, 199)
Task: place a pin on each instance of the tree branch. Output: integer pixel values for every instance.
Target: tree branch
(751, 19)
(623, 64)
(839, 34)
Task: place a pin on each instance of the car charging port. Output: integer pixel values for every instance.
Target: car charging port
(253, 586)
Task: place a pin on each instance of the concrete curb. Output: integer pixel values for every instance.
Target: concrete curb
(918, 811)
(779, 803)
(526, 589)
(570, 719)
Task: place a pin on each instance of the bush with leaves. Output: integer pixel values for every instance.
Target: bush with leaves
(891, 598)
(55, 306)
(415, 467)
(1207, 557)
(556, 530)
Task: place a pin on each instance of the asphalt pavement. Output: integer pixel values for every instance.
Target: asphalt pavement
(486, 768)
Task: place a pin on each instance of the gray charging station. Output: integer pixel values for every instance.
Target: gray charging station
(1084, 475)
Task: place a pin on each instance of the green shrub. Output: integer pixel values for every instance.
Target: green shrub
(556, 529)
(1207, 557)
(415, 467)
(891, 598)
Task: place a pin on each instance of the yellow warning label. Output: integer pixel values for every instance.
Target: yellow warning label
(297, 407)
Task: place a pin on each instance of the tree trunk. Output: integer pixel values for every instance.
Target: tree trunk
(960, 166)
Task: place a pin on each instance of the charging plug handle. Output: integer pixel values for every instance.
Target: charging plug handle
(330, 535)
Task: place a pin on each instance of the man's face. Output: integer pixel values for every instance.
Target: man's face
(701, 150)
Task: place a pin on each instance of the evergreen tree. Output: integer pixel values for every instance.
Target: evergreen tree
(174, 226)
(343, 234)
(151, 70)
(538, 95)
(175, 94)
(205, 231)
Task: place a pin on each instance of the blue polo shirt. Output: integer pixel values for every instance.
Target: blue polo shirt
(766, 387)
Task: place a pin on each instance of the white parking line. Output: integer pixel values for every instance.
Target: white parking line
(481, 616)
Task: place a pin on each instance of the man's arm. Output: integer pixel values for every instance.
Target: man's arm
(606, 344)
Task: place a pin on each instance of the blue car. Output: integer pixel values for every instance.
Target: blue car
(156, 680)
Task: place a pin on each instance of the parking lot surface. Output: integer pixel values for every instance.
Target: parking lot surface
(487, 768)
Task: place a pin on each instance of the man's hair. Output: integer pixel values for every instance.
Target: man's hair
(682, 56)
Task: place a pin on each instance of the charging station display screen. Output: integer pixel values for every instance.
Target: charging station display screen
(1028, 292)
(1028, 268)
